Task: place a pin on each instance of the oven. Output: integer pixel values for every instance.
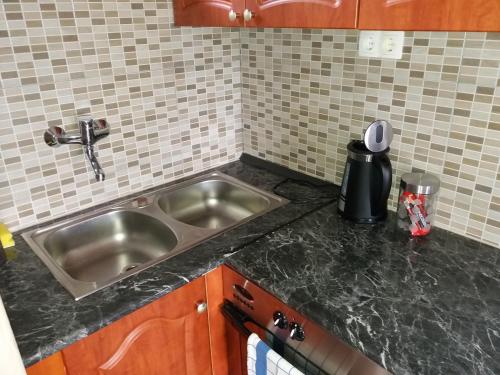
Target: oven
(248, 308)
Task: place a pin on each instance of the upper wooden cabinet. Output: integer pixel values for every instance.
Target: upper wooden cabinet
(267, 13)
(333, 14)
(208, 12)
(445, 15)
(167, 337)
(439, 15)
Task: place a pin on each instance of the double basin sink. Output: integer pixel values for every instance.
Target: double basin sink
(94, 250)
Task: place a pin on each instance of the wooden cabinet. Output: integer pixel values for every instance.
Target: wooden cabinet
(446, 15)
(169, 336)
(53, 365)
(267, 13)
(207, 13)
(442, 15)
(334, 14)
(218, 341)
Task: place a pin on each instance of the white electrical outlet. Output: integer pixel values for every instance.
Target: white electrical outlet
(369, 43)
(392, 44)
(385, 44)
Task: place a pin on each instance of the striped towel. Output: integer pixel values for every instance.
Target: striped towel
(262, 360)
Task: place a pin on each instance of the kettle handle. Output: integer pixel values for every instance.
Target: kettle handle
(384, 164)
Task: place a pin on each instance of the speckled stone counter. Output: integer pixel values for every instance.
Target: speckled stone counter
(45, 318)
(427, 306)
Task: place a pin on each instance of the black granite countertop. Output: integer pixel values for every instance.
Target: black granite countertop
(44, 316)
(427, 306)
(422, 306)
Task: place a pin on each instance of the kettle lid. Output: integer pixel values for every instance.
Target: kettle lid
(378, 136)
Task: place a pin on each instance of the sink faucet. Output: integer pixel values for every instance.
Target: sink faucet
(90, 132)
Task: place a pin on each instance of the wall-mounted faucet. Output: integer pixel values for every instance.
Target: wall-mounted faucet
(90, 132)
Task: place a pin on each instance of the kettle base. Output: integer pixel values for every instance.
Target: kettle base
(364, 220)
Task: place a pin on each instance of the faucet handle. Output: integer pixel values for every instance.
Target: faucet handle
(92, 130)
(55, 136)
(100, 128)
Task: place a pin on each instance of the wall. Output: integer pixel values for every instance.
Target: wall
(171, 95)
(306, 93)
(173, 98)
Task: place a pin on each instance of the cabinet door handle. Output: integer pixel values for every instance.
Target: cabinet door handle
(248, 15)
(233, 15)
(201, 307)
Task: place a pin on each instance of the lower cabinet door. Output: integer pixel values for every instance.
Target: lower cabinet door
(52, 365)
(169, 336)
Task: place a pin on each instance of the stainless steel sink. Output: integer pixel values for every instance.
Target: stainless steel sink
(213, 204)
(107, 245)
(94, 250)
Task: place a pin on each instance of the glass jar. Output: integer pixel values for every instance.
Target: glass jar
(417, 202)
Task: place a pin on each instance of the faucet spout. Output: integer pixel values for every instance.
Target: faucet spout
(90, 132)
(99, 173)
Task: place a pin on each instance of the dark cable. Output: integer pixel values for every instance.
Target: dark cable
(304, 183)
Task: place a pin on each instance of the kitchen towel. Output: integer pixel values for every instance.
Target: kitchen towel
(262, 360)
(10, 359)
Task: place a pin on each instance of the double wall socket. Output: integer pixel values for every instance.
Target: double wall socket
(384, 44)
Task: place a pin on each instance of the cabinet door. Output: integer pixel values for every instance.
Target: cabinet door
(53, 365)
(446, 15)
(166, 337)
(219, 341)
(208, 12)
(337, 14)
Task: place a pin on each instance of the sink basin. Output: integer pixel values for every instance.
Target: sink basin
(94, 250)
(212, 204)
(103, 247)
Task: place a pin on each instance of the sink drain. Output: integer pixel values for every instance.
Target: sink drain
(130, 267)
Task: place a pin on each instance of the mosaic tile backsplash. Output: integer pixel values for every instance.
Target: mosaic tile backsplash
(181, 100)
(306, 93)
(172, 97)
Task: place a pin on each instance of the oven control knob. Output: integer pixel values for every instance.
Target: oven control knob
(296, 332)
(280, 320)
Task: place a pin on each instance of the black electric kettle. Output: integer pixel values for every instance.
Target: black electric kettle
(367, 176)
